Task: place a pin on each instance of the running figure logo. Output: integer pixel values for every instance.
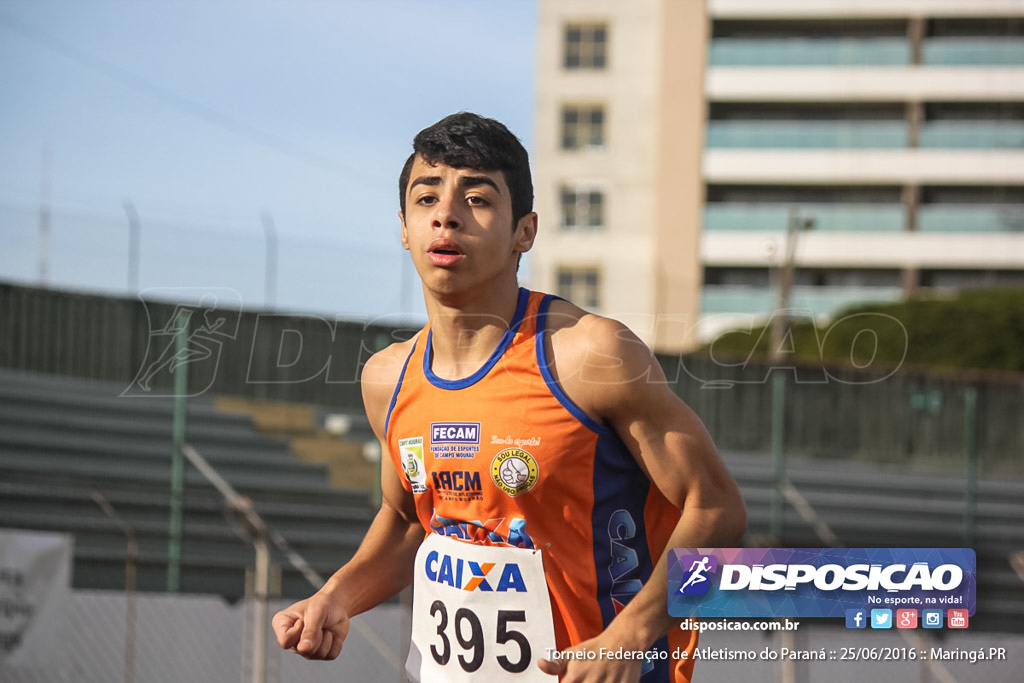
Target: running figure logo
(695, 581)
(206, 327)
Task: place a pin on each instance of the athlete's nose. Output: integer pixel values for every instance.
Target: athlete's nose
(446, 212)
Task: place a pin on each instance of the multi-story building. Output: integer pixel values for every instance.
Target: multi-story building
(681, 146)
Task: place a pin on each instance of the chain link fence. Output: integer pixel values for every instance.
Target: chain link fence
(190, 638)
(164, 638)
(909, 422)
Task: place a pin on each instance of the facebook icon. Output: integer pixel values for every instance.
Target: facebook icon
(856, 618)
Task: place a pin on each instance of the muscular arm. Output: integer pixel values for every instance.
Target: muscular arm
(612, 376)
(317, 627)
(672, 446)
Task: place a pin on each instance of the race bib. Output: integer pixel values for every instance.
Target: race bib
(479, 613)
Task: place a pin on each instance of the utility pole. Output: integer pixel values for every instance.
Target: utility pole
(780, 319)
(178, 429)
(44, 221)
(247, 523)
(130, 571)
(270, 271)
(133, 246)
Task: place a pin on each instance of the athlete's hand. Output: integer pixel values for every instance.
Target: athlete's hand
(314, 628)
(599, 670)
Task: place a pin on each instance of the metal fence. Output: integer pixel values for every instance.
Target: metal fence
(908, 417)
(200, 638)
(899, 415)
(189, 638)
(912, 420)
(230, 351)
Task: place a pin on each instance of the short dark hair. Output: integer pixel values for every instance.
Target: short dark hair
(467, 140)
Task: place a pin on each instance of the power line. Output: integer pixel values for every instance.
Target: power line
(200, 111)
(232, 227)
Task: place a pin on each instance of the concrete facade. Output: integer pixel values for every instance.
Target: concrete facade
(894, 131)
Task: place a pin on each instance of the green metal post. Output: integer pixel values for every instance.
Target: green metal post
(180, 370)
(971, 456)
(778, 454)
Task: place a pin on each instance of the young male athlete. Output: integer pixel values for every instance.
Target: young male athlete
(542, 467)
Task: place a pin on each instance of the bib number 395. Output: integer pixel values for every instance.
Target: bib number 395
(469, 633)
(480, 613)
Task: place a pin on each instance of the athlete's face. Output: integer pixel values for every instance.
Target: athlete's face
(458, 226)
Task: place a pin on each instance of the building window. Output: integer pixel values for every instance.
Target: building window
(586, 46)
(582, 208)
(582, 126)
(581, 286)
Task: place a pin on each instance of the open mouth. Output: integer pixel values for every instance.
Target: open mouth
(445, 249)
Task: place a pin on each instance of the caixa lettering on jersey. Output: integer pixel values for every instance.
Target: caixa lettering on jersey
(473, 576)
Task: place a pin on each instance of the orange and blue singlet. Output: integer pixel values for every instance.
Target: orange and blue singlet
(504, 457)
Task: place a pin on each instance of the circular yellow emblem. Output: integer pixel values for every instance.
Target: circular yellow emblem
(514, 471)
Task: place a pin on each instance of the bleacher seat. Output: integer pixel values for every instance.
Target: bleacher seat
(62, 439)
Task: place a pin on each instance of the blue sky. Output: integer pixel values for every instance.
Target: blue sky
(204, 114)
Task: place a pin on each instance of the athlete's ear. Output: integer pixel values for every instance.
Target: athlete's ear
(526, 232)
(405, 231)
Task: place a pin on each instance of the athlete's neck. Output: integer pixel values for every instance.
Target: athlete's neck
(465, 332)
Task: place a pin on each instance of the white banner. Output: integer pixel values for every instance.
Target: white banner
(35, 589)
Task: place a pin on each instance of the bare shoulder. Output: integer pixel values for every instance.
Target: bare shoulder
(597, 361)
(379, 378)
(593, 345)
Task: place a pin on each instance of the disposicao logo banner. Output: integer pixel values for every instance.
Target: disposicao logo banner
(817, 582)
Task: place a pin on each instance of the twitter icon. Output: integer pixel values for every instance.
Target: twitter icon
(881, 618)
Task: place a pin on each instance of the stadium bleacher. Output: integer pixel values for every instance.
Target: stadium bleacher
(869, 506)
(64, 439)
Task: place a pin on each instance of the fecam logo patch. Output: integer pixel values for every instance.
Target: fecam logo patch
(454, 439)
